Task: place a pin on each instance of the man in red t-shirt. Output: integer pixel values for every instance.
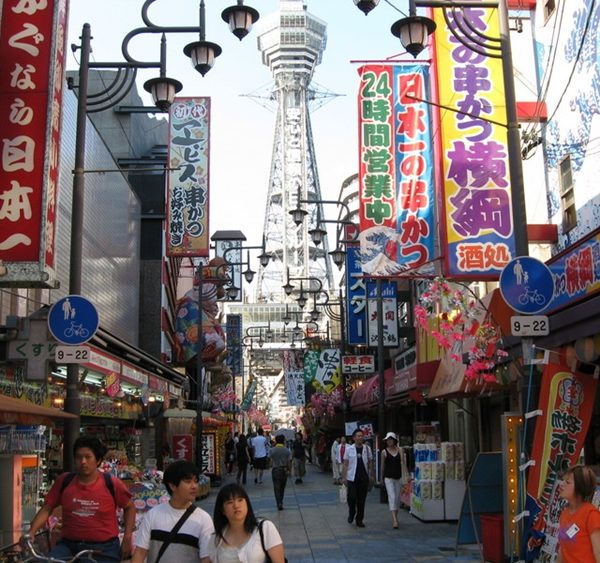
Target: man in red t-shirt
(89, 503)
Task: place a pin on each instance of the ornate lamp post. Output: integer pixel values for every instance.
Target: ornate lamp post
(163, 90)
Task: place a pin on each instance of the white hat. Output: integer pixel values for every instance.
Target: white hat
(391, 435)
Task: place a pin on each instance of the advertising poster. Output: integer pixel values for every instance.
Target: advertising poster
(566, 402)
(187, 196)
(396, 191)
(476, 188)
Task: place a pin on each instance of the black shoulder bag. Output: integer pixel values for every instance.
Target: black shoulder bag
(262, 543)
(174, 531)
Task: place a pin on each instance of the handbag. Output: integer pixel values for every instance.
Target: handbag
(262, 543)
(343, 491)
(174, 531)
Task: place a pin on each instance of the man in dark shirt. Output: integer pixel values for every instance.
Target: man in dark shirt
(281, 461)
(299, 458)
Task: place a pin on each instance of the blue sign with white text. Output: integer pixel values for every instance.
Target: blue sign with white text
(527, 285)
(73, 320)
(356, 299)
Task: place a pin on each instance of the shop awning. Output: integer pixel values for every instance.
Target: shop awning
(17, 411)
(415, 377)
(367, 395)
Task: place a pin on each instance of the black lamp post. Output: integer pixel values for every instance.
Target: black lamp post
(163, 90)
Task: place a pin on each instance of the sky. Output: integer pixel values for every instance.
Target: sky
(241, 129)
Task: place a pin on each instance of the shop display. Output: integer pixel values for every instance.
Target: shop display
(439, 481)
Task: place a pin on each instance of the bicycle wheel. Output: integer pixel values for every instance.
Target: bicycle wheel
(539, 299)
(69, 332)
(524, 298)
(84, 332)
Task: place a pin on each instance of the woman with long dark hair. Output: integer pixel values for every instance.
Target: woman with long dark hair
(239, 536)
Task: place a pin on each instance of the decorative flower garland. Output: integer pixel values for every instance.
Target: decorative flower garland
(256, 416)
(226, 399)
(324, 404)
(457, 313)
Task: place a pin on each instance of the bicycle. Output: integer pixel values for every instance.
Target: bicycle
(30, 554)
(76, 330)
(531, 296)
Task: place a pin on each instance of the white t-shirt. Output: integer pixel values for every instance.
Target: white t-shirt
(259, 443)
(350, 454)
(251, 551)
(191, 542)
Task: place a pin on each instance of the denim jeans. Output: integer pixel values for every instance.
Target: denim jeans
(110, 550)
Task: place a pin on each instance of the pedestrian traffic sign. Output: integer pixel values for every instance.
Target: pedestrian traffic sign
(527, 285)
(73, 320)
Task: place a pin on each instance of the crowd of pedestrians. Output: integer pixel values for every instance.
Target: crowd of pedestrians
(181, 531)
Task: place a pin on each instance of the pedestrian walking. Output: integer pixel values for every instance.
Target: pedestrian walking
(357, 474)
(391, 471)
(281, 459)
(299, 458)
(239, 536)
(259, 445)
(89, 500)
(579, 523)
(335, 468)
(339, 460)
(229, 453)
(176, 529)
(243, 458)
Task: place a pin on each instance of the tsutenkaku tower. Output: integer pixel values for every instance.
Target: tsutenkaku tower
(292, 42)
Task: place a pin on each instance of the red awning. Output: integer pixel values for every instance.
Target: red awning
(416, 377)
(17, 411)
(367, 394)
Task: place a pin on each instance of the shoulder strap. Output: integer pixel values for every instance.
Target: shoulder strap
(65, 483)
(174, 531)
(110, 485)
(262, 537)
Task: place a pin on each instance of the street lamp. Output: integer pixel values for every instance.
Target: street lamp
(163, 90)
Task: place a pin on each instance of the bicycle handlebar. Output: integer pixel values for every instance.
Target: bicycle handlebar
(28, 544)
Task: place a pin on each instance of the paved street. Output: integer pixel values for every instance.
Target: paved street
(314, 527)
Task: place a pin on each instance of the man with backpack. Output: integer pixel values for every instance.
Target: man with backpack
(89, 500)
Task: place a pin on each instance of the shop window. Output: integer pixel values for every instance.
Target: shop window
(567, 195)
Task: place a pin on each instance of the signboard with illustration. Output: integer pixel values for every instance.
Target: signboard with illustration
(396, 192)
(476, 188)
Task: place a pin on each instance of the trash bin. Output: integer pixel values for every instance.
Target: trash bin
(492, 537)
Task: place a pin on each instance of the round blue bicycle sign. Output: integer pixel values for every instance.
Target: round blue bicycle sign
(527, 285)
(73, 320)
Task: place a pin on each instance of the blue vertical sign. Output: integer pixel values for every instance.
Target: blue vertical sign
(356, 298)
(234, 344)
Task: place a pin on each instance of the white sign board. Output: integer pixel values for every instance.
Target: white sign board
(72, 354)
(529, 325)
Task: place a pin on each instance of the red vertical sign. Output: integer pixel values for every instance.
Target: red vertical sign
(182, 446)
(32, 42)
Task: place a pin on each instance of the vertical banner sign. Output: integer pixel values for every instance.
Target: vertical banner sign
(234, 344)
(209, 463)
(476, 181)
(247, 401)
(187, 199)
(32, 43)
(323, 368)
(356, 298)
(397, 218)
(234, 257)
(567, 402)
(294, 386)
(390, 313)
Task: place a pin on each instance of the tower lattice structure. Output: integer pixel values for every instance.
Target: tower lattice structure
(292, 42)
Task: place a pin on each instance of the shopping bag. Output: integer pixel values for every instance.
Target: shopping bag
(343, 493)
